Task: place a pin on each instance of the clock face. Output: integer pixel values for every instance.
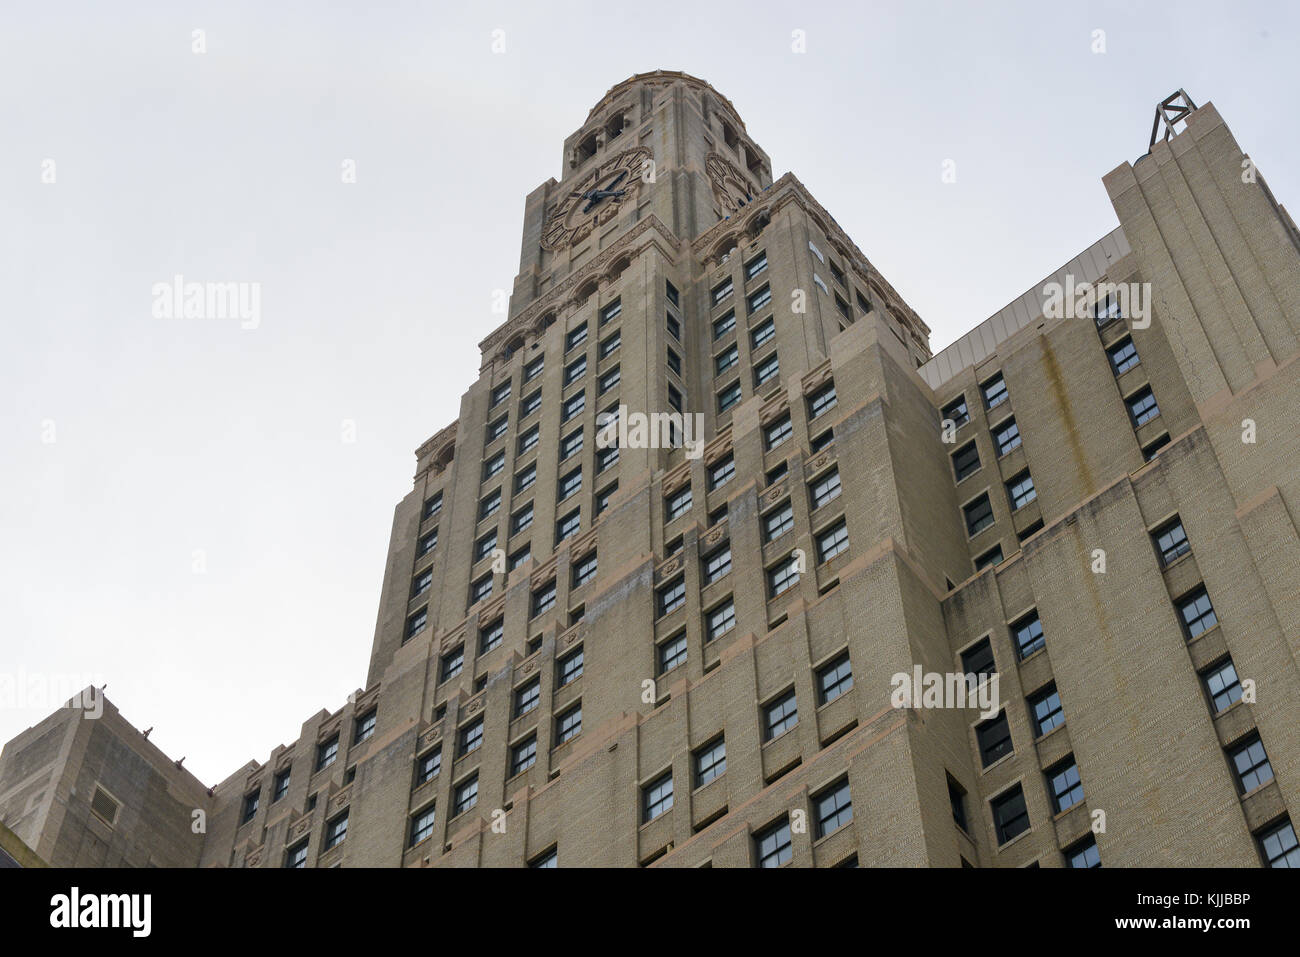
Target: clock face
(731, 188)
(595, 198)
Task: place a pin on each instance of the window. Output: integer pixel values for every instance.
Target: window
(1028, 634)
(994, 737)
(570, 667)
(534, 368)
(1064, 785)
(821, 284)
(1250, 762)
(966, 461)
(1106, 310)
(610, 344)
(427, 766)
(570, 483)
(762, 333)
(956, 412)
(834, 541)
(722, 290)
(480, 589)
(529, 440)
(844, 309)
(1223, 686)
(772, 845)
(677, 504)
(421, 583)
(585, 569)
(720, 473)
(524, 480)
(756, 265)
(780, 716)
(568, 526)
(521, 519)
(728, 397)
(1123, 356)
(1197, 613)
(570, 445)
(568, 725)
(281, 785)
(777, 432)
(250, 807)
(717, 563)
(415, 624)
(657, 797)
(1006, 436)
(365, 726)
(422, 826)
(674, 362)
(778, 521)
(957, 798)
(530, 404)
(825, 488)
(1045, 710)
(605, 458)
(500, 393)
(573, 406)
(710, 762)
(527, 698)
(549, 859)
(336, 831)
(326, 752)
(995, 392)
(1010, 816)
(671, 653)
(1142, 406)
(489, 505)
(834, 679)
(821, 441)
(767, 370)
(296, 856)
(822, 400)
(724, 324)
(671, 292)
(978, 660)
(610, 379)
(523, 755)
(726, 359)
(453, 662)
(720, 620)
(979, 515)
(575, 338)
(815, 251)
(490, 636)
(427, 544)
(484, 546)
(498, 428)
(672, 596)
(863, 303)
(1083, 854)
(543, 598)
(776, 473)
(469, 738)
(782, 577)
(604, 495)
(674, 397)
(833, 808)
(1279, 845)
(990, 558)
(432, 507)
(465, 796)
(1151, 449)
(1030, 530)
(575, 370)
(1021, 490)
(1171, 541)
(610, 312)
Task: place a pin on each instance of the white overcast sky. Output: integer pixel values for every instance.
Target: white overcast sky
(177, 437)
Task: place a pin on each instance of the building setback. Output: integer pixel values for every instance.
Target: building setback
(686, 656)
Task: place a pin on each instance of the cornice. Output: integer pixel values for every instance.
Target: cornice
(664, 78)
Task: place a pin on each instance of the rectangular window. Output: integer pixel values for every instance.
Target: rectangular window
(1152, 449)
(1010, 816)
(534, 368)
(568, 725)
(1123, 356)
(772, 845)
(529, 439)
(251, 802)
(465, 796)
(573, 406)
(722, 290)
(1197, 613)
(604, 495)
(988, 559)
(777, 432)
(453, 662)
(820, 442)
(427, 766)
(825, 489)
(671, 596)
(575, 370)
(823, 400)
(1107, 310)
(570, 484)
(432, 507)
(815, 251)
(717, 564)
(966, 461)
(610, 344)
(726, 359)
(527, 697)
(610, 379)
(575, 338)
(326, 752)
(994, 737)
(484, 546)
(1279, 845)
(1006, 436)
(833, 541)
(674, 362)
(494, 465)
(979, 515)
(469, 738)
(427, 544)
(530, 404)
(336, 831)
(521, 519)
(611, 312)
(671, 292)
(422, 826)
(767, 370)
(720, 473)
(1027, 633)
(762, 333)
(1250, 762)
(673, 326)
(415, 624)
(523, 755)
(957, 798)
(756, 265)
(281, 787)
(724, 324)
(543, 599)
(780, 716)
(1223, 686)
(1021, 490)
(832, 808)
(500, 394)
(956, 412)
(728, 397)
(1142, 406)
(994, 391)
(781, 578)
(1064, 785)
(491, 635)
(498, 428)
(365, 726)
(720, 620)
(570, 445)
(489, 505)
(834, 679)
(671, 653)
(296, 856)
(606, 458)
(677, 504)
(710, 762)
(1083, 854)
(481, 589)
(1045, 710)
(568, 526)
(1171, 541)
(570, 667)
(778, 521)
(524, 480)
(978, 660)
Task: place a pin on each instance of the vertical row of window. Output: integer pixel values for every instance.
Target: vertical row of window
(1140, 402)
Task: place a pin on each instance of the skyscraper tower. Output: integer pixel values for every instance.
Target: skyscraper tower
(698, 573)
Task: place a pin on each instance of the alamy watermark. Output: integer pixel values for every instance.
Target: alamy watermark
(1089, 300)
(179, 299)
(651, 430)
(42, 691)
(954, 689)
